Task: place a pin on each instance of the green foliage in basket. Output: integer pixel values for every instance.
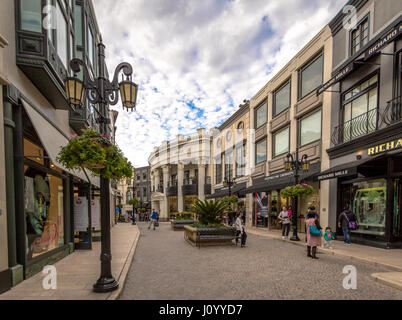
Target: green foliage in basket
(94, 151)
(297, 190)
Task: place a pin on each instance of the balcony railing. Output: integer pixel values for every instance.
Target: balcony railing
(393, 112)
(356, 127)
(190, 181)
(172, 183)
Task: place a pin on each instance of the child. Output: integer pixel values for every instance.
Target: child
(328, 237)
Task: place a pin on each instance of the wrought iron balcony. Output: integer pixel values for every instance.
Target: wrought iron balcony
(172, 183)
(159, 188)
(356, 127)
(190, 181)
(393, 112)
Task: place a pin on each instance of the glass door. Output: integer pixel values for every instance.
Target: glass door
(396, 219)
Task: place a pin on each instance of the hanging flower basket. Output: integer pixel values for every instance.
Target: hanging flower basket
(297, 190)
(95, 152)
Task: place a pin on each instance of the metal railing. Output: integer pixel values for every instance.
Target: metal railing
(356, 127)
(393, 112)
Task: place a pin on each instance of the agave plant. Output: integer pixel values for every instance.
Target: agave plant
(209, 211)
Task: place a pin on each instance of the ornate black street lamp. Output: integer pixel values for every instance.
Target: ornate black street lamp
(102, 92)
(231, 182)
(296, 165)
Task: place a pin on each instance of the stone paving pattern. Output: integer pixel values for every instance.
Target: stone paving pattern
(165, 266)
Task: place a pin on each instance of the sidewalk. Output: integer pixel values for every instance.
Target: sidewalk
(391, 259)
(77, 272)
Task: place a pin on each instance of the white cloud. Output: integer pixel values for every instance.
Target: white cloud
(212, 53)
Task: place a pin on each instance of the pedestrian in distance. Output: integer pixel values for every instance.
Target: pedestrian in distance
(240, 231)
(154, 217)
(314, 234)
(344, 222)
(328, 238)
(284, 218)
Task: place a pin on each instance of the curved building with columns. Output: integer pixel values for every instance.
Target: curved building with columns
(180, 173)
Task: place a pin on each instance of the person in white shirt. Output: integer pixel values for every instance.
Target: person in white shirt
(285, 220)
(240, 231)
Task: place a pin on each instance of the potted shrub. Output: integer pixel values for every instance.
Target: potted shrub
(181, 219)
(209, 230)
(95, 152)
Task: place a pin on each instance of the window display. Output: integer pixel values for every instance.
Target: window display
(43, 212)
(369, 205)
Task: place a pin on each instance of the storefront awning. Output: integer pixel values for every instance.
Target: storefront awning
(344, 170)
(224, 192)
(52, 140)
(282, 180)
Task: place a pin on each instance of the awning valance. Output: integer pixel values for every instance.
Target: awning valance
(52, 140)
(224, 192)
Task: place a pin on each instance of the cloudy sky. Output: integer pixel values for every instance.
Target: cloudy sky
(196, 60)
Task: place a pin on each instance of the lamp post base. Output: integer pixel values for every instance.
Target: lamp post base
(294, 238)
(105, 285)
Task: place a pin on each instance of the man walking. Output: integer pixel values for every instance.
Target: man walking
(343, 222)
(154, 217)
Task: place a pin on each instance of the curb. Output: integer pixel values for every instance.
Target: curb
(331, 252)
(394, 284)
(123, 275)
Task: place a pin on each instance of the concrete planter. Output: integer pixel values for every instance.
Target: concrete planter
(209, 236)
(178, 225)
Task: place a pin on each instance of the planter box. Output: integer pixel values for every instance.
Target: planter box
(209, 236)
(178, 225)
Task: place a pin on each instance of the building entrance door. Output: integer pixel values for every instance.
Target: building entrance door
(397, 215)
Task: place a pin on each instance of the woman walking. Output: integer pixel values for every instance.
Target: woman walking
(313, 233)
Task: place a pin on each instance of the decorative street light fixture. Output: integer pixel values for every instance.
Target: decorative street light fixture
(102, 92)
(231, 182)
(296, 165)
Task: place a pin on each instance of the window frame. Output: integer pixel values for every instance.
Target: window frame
(217, 181)
(229, 152)
(303, 117)
(361, 93)
(273, 141)
(265, 102)
(241, 146)
(266, 150)
(303, 68)
(358, 26)
(282, 86)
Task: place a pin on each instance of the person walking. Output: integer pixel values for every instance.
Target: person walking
(240, 231)
(313, 238)
(154, 217)
(284, 218)
(343, 222)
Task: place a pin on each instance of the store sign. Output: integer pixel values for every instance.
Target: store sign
(384, 41)
(280, 175)
(338, 77)
(337, 174)
(384, 147)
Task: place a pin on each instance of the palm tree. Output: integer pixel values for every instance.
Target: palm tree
(209, 211)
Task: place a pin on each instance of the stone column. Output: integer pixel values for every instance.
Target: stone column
(157, 179)
(201, 181)
(180, 178)
(152, 178)
(165, 205)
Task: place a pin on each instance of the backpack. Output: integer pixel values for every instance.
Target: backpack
(351, 224)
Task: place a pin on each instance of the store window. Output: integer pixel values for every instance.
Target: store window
(360, 109)
(43, 203)
(310, 128)
(188, 202)
(261, 115)
(62, 36)
(173, 207)
(360, 36)
(241, 160)
(31, 15)
(281, 142)
(311, 76)
(282, 99)
(368, 201)
(261, 151)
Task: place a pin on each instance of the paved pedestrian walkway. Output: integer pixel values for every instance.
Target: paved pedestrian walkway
(165, 266)
(77, 272)
(390, 259)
